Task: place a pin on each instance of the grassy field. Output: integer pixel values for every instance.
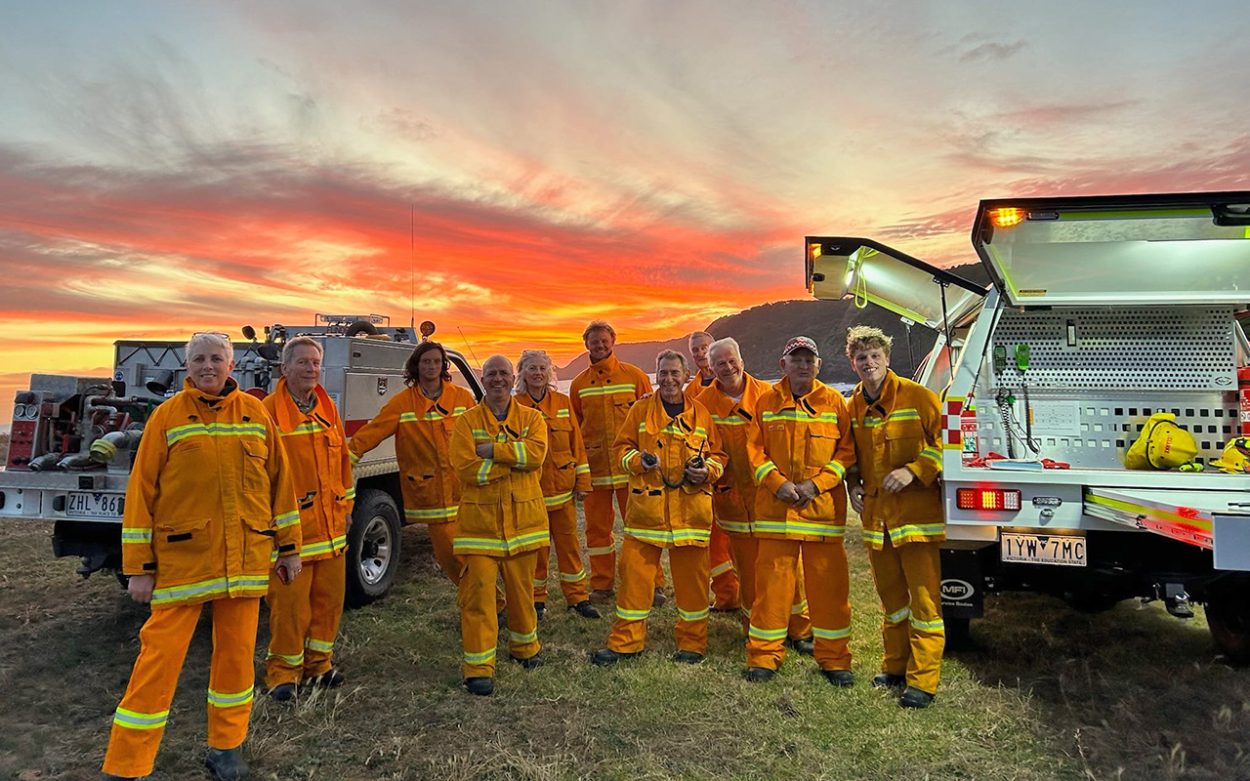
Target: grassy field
(1045, 693)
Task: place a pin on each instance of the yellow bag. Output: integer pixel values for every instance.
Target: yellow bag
(1162, 445)
(1236, 456)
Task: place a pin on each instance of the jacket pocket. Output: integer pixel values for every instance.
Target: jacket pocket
(560, 437)
(182, 547)
(820, 447)
(423, 488)
(904, 440)
(259, 544)
(255, 466)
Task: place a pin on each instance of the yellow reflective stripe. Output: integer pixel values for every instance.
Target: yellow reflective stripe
(521, 458)
(909, 531)
(722, 568)
(536, 583)
(798, 527)
(604, 551)
(766, 634)
(483, 471)
(294, 660)
(872, 535)
(470, 544)
(582, 469)
(909, 413)
(831, 634)
(572, 577)
(424, 513)
(350, 494)
(738, 527)
(625, 458)
(626, 614)
(325, 546)
(135, 720)
(408, 417)
(231, 700)
(136, 535)
(189, 591)
(697, 615)
(324, 646)
(606, 390)
(933, 454)
(670, 537)
(799, 609)
(286, 519)
(898, 615)
(563, 413)
(837, 468)
(928, 626)
(763, 469)
(307, 427)
(800, 417)
(610, 481)
(355, 459)
(179, 433)
(732, 420)
(558, 499)
(519, 638)
(481, 657)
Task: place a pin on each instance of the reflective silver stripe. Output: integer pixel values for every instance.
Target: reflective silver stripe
(231, 700)
(135, 720)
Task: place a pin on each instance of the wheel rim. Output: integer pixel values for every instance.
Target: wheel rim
(375, 550)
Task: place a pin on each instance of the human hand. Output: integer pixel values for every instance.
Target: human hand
(289, 568)
(807, 491)
(696, 475)
(649, 461)
(898, 480)
(140, 588)
(788, 493)
(857, 498)
(485, 449)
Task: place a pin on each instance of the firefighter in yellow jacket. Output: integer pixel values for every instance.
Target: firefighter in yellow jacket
(304, 614)
(672, 452)
(565, 473)
(732, 400)
(497, 449)
(800, 450)
(601, 397)
(897, 429)
(726, 590)
(210, 499)
(421, 418)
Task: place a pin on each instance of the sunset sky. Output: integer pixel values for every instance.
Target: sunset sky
(171, 167)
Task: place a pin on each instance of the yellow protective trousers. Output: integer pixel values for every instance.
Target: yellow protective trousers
(139, 722)
(442, 539)
(304, 620)
(909, 579)
(744, 549)
(562, 523)
(479, 620)
(600, 542)
(824, 572)
(639, 563)
(725, 586)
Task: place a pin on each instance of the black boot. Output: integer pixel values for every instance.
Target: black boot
(226, 764)
(482, 687)
(586, 610)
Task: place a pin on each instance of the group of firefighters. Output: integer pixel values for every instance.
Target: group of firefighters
(745, 484)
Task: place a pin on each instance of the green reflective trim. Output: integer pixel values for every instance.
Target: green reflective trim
(696, 615)
(625, 458)
(324, 646)
(355, 459)
(898, 615)
(799, 417)
(626, 614)
(572, 577)
(872, 535)
(482, 657)
(136, 535)
(799, 609)
(563, 413)
(325, 546)
(482, 434)
(483, 471)
(303, 429)
(669, 537)
(179, 433)
(836, 467)
(722, 568)
(798, 527)
(134, 720)
(536, 583)
(408, 417)
(604, 551)
(606, 390)
(755, 632)
(610, 481)
(351, 494)
(423, 513)
(932, 454)
(520, 638)
(831, 634)
(231, 700)
(928, 626)
(911, 531)
(909, 413)
(763, 469)
(582, 469)
(286, 519)
(295, 660)
(557, 500)
(732, 420)
(737, 527)
(521, 458)
(189, 591)
(470, 544)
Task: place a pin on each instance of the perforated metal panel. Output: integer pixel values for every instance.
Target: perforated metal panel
(1131, 349)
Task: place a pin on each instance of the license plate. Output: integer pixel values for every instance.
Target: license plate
(91, 504)
(1064, 550)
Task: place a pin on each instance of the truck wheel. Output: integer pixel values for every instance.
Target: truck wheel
(362, 327)
(1229, 620)
(373, 543)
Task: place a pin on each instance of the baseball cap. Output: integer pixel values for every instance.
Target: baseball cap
(800, 343)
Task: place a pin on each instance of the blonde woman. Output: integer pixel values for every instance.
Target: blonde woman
(565, 472)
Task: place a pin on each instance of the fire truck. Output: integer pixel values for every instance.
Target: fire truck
(73, 439)
(1101, 312)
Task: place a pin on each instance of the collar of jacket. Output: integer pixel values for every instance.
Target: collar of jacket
(752, 389)
(209, 399)
(818, 396)
(657, 418)
(288, 414)
(885, 401)
(607, 365)
(549, 406)
(511, 424)
(421, 403)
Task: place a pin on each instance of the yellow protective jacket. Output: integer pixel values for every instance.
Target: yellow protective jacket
(422, 430)
(501, 510)
(601, 397)
(658, 514)
(733, 496)
(316, 450)
(696, 386)
(902, 428)
(796, 440)
(565, 469)
(210, 499)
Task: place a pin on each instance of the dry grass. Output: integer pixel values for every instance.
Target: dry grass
(1046, 693)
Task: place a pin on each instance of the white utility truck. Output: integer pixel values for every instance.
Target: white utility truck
(1101, 311)
(73, 439)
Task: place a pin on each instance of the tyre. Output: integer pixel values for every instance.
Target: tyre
(373, 543)
(362, 327)
(1229, 620)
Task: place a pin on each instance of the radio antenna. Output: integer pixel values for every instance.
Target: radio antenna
(466, 344)
(412, 267)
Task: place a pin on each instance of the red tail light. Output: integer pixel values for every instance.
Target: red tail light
(987, 499)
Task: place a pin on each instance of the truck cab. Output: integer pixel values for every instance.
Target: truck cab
(1102, 311)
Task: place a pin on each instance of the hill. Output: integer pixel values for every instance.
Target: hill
(763, 330)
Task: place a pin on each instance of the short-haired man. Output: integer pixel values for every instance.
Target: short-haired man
(497, 450)
(671, 450)
(732, 400)
(601, 396)
(897, 428)
(726, 591)
(800, 450)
